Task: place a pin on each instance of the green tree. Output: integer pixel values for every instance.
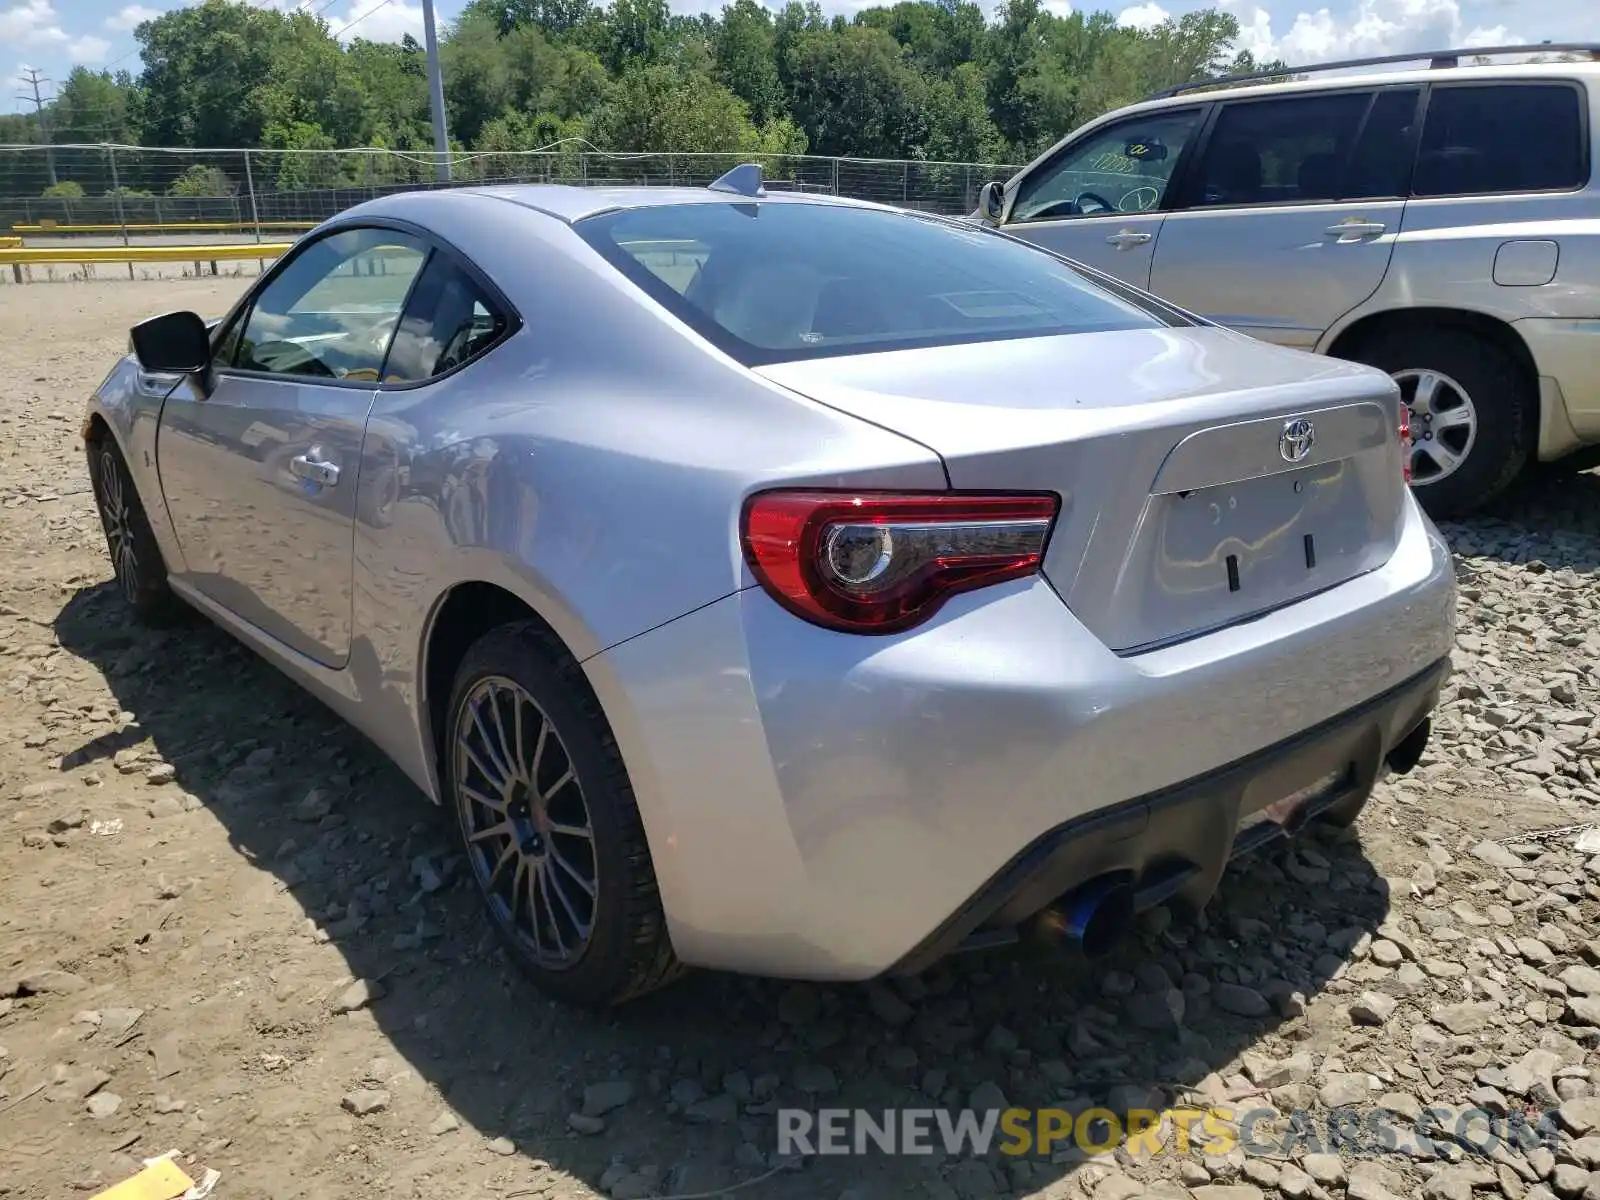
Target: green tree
(637, 34)
(852, 93)
(94, 106)
(747, 62)
(200, 180)
(201, 67)
(660, 108)
(921, 79)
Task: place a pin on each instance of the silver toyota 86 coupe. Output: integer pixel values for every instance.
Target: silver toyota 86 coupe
(785, 584)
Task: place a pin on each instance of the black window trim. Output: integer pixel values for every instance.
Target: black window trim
(433, 245)
(1203, 109)
(1585, 145)
(1183, 201)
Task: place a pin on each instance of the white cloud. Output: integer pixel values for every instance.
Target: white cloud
(1371, 27)
(1058, 8)
(88, 49)
(131, 17)
(380, 21)
(31, 23)
(1143, 16)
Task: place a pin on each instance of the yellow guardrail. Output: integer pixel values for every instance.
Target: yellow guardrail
(9, 241)
(172, 227)
(234, 252)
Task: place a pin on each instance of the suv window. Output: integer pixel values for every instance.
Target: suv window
(1278, 151)
(1125, 169)
(1509, 137)
(332, 310)
(448, 320)
(779, 281)
(1381, 161)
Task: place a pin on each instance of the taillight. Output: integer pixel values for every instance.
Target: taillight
(1405, 440)
(879, 562)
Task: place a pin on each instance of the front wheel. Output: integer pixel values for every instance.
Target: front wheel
(141, 572)
(546, 815)
(1474, 413)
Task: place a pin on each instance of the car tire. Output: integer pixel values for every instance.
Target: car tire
(136, 560)
(1499, 398)
(580, 915)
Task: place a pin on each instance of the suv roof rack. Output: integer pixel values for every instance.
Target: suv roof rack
(1437, 60)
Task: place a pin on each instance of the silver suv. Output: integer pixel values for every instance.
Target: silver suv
(1442, 224)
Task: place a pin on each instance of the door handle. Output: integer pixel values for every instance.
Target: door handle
(314, 469)
(1356, 229)
(1126, 239)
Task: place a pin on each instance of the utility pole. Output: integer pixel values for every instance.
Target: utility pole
(441, 140)
(33, 80)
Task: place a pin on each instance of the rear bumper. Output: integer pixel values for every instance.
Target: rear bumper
(820, 805)
(1566, 354)
(1176, 843)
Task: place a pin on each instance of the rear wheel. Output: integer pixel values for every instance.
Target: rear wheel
(547, 818)
(141, 572)
(1474, 413)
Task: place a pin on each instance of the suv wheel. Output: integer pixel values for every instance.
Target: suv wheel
(1473, 413)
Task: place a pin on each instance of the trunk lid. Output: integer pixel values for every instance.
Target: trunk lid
(1180, 511)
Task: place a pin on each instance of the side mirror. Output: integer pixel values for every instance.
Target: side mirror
(992, 200)
(175, 343)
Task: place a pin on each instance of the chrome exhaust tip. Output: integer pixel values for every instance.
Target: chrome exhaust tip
(1093, 917)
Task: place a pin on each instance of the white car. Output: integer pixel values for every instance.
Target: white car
(1442, 224)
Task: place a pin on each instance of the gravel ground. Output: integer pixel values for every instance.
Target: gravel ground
(227, 926)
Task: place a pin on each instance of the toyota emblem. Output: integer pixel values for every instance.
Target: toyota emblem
(1296, 440)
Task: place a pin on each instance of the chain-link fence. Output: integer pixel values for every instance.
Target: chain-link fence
(127, 190)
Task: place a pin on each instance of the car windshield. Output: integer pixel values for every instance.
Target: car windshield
(778, 281)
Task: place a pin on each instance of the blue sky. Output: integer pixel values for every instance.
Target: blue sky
(54, 35)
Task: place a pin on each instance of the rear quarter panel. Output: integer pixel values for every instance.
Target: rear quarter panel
(594, 465)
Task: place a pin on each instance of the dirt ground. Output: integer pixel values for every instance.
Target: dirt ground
(197, 862)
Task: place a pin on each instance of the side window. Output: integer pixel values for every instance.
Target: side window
(449, 320)
(332, 311)
(1123, 169)
(1513, 137)
(1382, 157)
(1278, 151)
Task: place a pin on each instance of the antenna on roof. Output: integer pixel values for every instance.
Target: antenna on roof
(743, 180)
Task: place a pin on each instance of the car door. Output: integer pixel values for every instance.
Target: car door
(1288, 217)
(259, 462)
(1100, 199)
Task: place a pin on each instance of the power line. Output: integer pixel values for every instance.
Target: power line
(382, 3)
(34, 79)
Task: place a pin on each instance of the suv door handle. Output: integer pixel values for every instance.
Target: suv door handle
(1356, 228)
(314, 469)
(1126, 239)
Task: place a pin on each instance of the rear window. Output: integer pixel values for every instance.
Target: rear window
(778, 281)
(1501, 138)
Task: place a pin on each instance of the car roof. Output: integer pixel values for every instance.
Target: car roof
(1503, 73)
(571, 203)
